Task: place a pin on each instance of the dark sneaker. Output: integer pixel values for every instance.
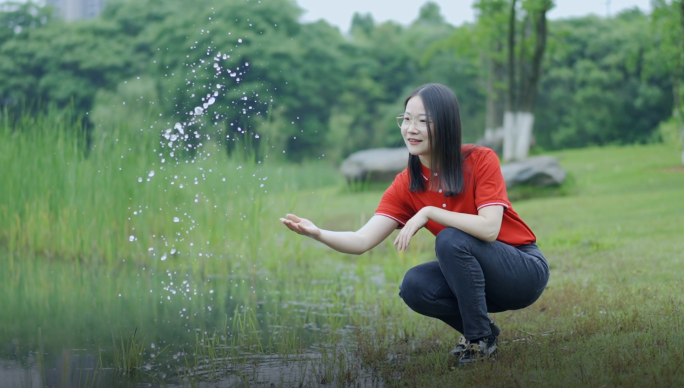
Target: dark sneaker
(480, 351)
(463, 343)
(460, 348)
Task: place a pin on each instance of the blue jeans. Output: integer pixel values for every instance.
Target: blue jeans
(472, 277)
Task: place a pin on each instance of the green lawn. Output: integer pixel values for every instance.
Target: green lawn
(610, 316)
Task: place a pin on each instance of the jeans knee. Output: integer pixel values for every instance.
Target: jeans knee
(450, 240)
(412, 288)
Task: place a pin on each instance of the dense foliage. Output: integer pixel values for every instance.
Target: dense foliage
(307, 89)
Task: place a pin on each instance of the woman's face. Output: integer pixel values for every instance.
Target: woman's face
(414, 130)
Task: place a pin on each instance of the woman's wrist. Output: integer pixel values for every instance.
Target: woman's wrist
(427, 212)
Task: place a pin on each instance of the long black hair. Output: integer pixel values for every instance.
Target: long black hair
(444, 136)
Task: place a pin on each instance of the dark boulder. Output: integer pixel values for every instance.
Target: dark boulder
(375, 165)
(536, 171)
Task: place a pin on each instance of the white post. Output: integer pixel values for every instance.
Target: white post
(525, 124)
(509, 136)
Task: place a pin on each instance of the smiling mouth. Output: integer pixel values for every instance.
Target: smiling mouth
(413, 140)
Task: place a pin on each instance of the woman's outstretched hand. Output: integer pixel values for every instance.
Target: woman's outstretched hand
(301, 226)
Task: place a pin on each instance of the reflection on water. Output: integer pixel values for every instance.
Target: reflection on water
(303, 370)
(66, 326)
(13, 374)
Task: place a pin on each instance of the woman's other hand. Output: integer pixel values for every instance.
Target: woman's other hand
(416, 222)
(301, 226)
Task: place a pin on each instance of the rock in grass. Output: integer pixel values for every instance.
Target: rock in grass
(375, 165)
(538, 171)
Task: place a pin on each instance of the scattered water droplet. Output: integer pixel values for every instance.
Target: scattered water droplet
(175, 219)
(131, 238)
(151, 174)
(140, 180)
(163, 257)
(173, 251)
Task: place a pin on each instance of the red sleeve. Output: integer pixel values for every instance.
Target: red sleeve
(490, 187)
(395, 202)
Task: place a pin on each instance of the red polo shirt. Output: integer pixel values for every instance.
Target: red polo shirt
(484, 186)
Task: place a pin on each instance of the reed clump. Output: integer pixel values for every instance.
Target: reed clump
(121, 195)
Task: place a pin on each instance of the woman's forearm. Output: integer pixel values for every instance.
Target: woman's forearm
(486, 226)
(345, 242)
(364, 239)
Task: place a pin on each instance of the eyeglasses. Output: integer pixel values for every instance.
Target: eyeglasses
(419, 121)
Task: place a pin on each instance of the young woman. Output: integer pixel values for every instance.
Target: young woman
(487, 259)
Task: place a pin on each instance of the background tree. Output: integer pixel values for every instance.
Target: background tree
(16, 20)
(490, 34)
(595, 90)
(57, 64)
(524, 72)
(667, 21)
(272, 84)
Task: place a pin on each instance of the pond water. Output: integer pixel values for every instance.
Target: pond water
(68, 325)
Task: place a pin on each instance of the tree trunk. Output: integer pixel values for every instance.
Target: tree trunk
(509, 121)
(490, 127)
(510, 127)
(678, 106)
(525, 115)
(500, 93)
(495, 96)
(510, 101)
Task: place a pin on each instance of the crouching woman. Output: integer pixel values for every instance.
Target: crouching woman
(487, 259)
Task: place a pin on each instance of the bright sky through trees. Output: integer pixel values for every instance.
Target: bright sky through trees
(456, 12)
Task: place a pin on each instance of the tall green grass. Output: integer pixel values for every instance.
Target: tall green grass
(60, 200)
